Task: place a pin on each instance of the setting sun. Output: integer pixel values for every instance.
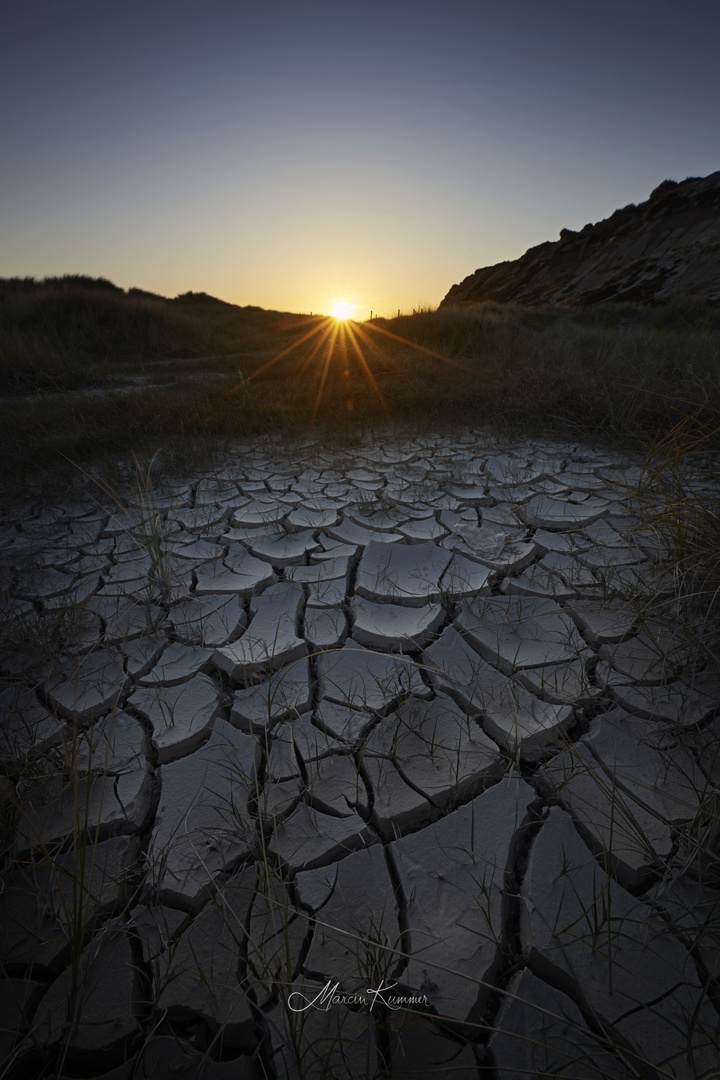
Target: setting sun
(341, 309)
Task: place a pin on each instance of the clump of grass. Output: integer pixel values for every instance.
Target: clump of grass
(606, 371)
(59, 338)
(76, 331)
(681, 500)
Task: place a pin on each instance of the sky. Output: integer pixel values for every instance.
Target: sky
(289, 154)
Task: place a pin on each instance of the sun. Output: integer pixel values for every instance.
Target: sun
(341, 309)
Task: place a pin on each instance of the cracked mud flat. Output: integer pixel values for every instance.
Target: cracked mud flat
(377, 764)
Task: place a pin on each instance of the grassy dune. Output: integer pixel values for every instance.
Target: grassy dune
(90, 372)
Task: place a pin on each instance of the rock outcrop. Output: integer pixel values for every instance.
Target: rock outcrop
(650, 253)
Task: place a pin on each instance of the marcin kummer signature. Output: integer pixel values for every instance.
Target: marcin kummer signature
(329, 996)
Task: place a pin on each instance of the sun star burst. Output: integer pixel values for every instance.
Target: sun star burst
(342, 309)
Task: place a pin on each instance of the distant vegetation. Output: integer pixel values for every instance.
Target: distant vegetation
(74, 331)
(91, 372)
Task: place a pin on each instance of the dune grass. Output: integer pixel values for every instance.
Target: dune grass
(680, 500)
(91, 373)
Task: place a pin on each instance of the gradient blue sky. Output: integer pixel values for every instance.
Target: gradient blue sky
(288, 154)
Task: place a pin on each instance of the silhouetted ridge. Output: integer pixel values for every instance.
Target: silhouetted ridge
(667, 246)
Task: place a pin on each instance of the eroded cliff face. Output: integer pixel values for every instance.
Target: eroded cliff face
(667, 245)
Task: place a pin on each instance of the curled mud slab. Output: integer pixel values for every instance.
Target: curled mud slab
(383, 763)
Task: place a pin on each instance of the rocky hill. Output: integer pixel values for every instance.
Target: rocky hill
(649, 253)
